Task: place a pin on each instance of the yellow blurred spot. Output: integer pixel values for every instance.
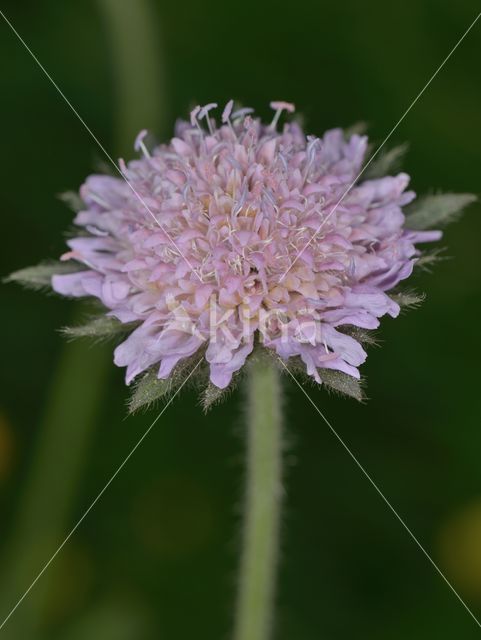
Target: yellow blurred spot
(460, 550)
(6, 448)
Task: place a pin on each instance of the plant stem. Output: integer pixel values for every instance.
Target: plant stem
(263, 504)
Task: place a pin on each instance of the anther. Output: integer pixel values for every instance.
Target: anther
(204, 113)
(139, 143)
(279, 107)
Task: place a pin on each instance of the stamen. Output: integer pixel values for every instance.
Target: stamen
(280, 106)
(226, 117)
(70, 255)
(139, 143)
(204, 113)
(96, 198)
(193, 116)
(313, 141)
(242, 113)
(96, 231)
(227, 111)
(123, 167)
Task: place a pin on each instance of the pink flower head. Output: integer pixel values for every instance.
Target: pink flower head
(240, 235)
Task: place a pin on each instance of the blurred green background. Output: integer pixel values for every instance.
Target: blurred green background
(157, 556)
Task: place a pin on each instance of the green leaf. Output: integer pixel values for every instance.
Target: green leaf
(358, 128)
(342, 383)
(386, 162)
(72, 200)
(429, 258)
(212, 395)
(408, 299)
(148, 390)
(333, 380)
(40, 276)
(100, 327)
(364, 336)
(437, 210)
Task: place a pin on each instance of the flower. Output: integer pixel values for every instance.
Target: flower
(237, 234)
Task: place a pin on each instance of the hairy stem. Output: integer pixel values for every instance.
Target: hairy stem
(263, 505)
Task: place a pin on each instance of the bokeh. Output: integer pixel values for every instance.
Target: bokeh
(156, 557)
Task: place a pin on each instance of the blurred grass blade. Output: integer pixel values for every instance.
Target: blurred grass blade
(137, 64)
(114, 619)
(78, 384)
(61, 452)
